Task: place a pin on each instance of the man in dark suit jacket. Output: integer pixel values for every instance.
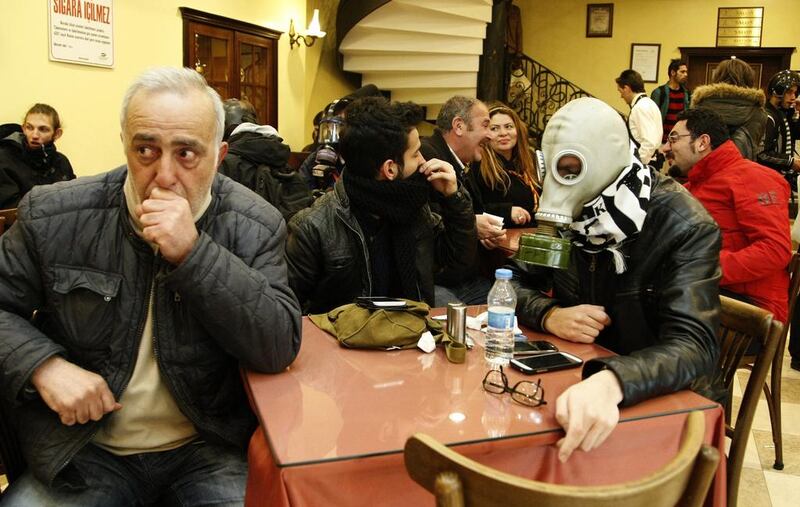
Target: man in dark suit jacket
(462, 128)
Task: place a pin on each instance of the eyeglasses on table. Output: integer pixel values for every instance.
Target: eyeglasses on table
(524, 392)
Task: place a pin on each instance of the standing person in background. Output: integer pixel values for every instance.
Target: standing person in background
(734, 96)
(783, 127)
(671, 98)
(644, 122)
(29, 157)
(506, 176)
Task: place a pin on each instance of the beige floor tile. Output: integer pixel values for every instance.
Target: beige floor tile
(751, 456)
(790, 417)
(766, 452)
(782, 488)
(753, 490)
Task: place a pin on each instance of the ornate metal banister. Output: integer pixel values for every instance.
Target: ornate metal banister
(536, 92)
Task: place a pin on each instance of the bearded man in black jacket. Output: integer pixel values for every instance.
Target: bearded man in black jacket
(374, 234)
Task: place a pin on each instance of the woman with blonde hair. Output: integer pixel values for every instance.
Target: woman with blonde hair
(506, 177)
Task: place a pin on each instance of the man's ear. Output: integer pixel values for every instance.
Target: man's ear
(388, 170)
(705, 142)
(57, 134)
(223, 150)
(458, 125)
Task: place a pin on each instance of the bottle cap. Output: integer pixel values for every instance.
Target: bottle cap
(502, 274)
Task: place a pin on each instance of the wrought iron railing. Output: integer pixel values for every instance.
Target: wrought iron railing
(536, 92)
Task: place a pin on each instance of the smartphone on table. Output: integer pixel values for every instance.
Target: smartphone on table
(542, 363)
(524, 348)
(380, 303)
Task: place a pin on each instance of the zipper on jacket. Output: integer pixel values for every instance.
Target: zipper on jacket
(363, 249)
(592, 274)
(185, 408)
(91, 434)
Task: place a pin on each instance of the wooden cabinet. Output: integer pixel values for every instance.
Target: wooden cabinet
(238, 59)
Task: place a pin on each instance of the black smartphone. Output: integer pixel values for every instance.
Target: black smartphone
(542, 363)
(380, 302)
(532, 348)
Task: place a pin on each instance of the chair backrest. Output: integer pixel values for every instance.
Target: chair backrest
(459, 481)
(740, 325)
(11, 459)
(7, 217)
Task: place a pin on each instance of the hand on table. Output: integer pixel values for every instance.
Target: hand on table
(167, 221)
(588, 412)
(75, 394)
(581, 323)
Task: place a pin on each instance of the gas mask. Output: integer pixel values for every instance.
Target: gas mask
(585, 148)
(330, 127)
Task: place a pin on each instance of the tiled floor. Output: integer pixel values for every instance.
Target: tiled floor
(761, 485)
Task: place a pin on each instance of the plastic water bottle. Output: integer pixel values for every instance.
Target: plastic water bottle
(500, 331)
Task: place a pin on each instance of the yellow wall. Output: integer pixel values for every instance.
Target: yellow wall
(147, 33)
(325, 82)
(554, 34)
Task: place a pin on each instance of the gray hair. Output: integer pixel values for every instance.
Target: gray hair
(455, 107)
(173, 79)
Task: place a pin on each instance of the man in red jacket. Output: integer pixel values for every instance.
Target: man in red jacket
(748, 201)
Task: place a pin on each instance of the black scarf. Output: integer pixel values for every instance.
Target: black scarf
(396, 204)
(40, 158)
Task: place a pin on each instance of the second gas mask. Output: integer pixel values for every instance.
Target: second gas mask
(585, 147)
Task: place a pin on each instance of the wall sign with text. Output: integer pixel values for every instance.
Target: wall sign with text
(82, 31)
(740, 26)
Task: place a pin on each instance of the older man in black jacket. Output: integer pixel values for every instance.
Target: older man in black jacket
(643, 275)
(374, 234)
(152, 284)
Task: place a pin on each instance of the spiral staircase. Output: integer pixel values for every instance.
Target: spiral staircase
(424, 51)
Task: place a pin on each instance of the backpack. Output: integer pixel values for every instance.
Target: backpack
(279, 185)
(284, 188)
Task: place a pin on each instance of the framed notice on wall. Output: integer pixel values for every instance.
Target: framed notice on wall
(644, 60)
(82, 31)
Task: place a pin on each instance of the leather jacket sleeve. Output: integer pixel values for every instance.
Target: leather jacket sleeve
(305, 265)
(243, 300)
(772, 155)
(456, 236)
(688, 313)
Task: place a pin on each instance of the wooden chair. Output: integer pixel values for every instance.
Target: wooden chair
(12, 464)
(740, 324)
(458, 481)
(7, 217)
(772, 389)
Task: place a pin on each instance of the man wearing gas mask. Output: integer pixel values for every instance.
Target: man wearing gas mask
(637, 271)
(374, 234)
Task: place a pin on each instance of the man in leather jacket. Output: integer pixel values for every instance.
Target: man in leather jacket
(374, 234)
(642, 279)
(152, 285)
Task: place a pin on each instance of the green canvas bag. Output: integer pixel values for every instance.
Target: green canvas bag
(386, 328)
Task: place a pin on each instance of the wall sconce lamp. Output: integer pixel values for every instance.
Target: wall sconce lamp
(312, 34)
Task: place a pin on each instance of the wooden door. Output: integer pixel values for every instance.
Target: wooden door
(238, 59)
(765, 62)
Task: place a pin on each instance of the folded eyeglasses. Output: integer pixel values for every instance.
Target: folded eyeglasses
(524, 392)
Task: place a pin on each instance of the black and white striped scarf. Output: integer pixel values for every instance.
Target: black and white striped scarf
(616, 214)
